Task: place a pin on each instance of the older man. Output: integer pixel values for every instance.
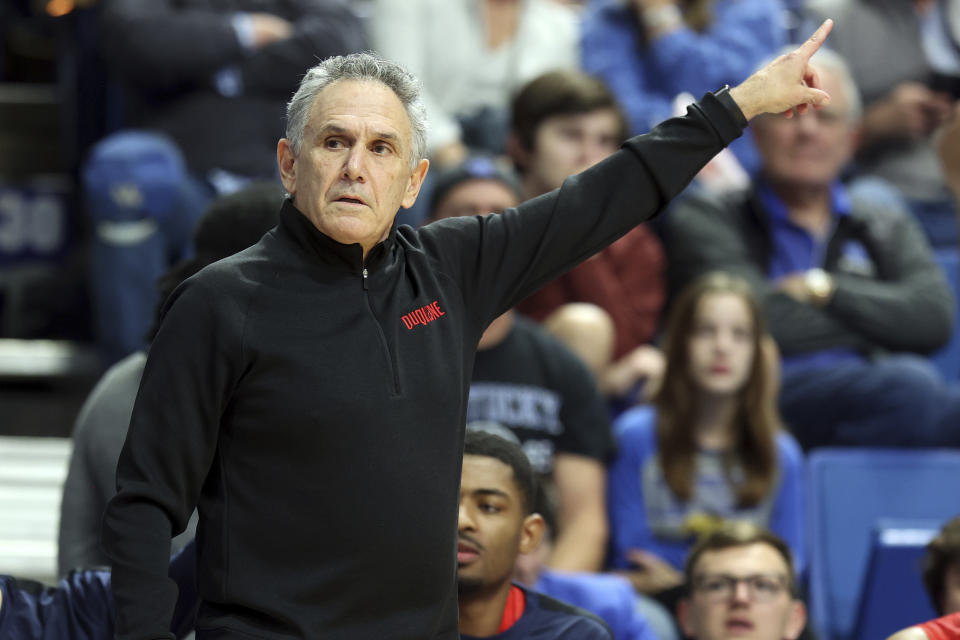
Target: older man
(852, 294)
(309, 393)
(741, 584)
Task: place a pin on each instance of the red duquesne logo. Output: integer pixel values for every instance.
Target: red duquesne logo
(424, 315)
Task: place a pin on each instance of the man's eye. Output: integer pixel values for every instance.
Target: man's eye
(766, 585)
(716, 584)
(333, 143)
(381, 149)
(489, 508)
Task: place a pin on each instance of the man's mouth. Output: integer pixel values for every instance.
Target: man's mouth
(466, 553)
(739, 625)
(350, 200)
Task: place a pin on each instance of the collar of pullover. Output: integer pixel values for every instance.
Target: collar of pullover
(317, 244)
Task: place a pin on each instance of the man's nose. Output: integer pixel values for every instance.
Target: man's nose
(354, 167)
(464, 521)
(741, 591)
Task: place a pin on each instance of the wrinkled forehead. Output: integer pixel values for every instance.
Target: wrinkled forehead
(365, 101)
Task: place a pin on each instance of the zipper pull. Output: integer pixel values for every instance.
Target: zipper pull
(364, 278)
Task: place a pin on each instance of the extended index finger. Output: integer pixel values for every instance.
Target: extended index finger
(808, 48)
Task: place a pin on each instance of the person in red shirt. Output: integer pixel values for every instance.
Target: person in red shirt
(607, 308)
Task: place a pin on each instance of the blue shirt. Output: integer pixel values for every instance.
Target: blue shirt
(795, 250)
(646, 514)
(646, 77)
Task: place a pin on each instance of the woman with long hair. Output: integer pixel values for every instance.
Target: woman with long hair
(711, 447)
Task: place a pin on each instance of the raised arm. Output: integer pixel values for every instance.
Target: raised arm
(502, 259)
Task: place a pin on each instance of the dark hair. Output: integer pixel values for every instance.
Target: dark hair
(754, 447)
(738, 534)
(488, 445)
(560, 93)
(942, 553)
(230, 224)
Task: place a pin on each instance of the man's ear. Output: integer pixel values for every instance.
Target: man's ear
(798, 620)
(531, 532)
(684, 618)
(516, 151)
(416, 181)
(287, 163)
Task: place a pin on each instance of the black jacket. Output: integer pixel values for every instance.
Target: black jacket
(290, 393)
(168, 52)
(905, 305)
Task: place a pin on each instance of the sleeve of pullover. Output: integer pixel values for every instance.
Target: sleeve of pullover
(194, 362)
(501, 259)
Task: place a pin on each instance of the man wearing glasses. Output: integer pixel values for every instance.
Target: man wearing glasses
(741, 585)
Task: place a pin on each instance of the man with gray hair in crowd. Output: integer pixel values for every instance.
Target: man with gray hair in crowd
(851, 291)
(319, 434)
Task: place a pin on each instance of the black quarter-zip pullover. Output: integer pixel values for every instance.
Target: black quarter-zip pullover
(312, 404)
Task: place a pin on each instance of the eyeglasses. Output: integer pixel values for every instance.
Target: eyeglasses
(761, 587)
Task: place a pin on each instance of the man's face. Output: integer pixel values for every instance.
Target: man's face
(951, 589)
(568, 144)
(809, 151)
(493, 527)
(479, 196)
(763, 610)
(353, 171)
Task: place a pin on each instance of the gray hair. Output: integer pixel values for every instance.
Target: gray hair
(360, 66)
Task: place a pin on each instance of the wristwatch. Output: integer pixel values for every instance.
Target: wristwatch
(820, 285)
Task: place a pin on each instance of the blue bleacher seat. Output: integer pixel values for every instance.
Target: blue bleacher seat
(947, 359)
(850, 492)
(893, 596)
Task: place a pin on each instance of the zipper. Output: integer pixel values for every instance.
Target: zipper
(391, 363)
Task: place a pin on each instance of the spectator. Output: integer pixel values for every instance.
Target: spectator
(943, 628)
(711, 448)
(941, 569)
(496, 523)
(529, 388)
(206, 87)
(609, 596)
(232, 223)
(471, 55)
(740, 582)
(81, 607)
(651, 51)
(846, 279)
(562, 123)
(893, 48)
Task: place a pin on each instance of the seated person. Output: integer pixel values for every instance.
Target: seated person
(740, 583)
(231, 224)
(710, 449)
(562, 123)
(609, 596)
(496, 523)
(902, 60)
(941, 568)
(81, 607)
(529, 388)
(943, 628)
(205, 87)
(471, 57)
(849, 286)
(651, 51)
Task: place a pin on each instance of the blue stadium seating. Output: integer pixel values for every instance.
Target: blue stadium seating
(947, 359)
(850, 491)
(893, 596)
